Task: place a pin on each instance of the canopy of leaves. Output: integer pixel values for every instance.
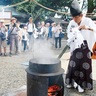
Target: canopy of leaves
(91, 5)
(55, 4)
(8, 2)
(34, 10)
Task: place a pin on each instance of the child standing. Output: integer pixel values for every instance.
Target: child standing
(24, 38)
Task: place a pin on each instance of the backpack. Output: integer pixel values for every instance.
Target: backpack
(61, 35)
(3, 36)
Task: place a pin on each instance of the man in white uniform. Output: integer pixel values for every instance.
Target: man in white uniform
(81, 39)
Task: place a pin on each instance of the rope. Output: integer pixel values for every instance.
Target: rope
(48, 8)
(55, 10)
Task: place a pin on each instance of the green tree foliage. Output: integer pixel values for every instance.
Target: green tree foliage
(15, 1)
(91, 5)
(36, 11)
(31, 9)
(55, 4)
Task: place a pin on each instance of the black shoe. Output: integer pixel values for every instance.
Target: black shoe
(0, 54)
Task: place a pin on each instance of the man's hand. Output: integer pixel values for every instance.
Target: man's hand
(84, 27)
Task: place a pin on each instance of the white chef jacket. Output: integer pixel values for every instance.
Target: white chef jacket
(86, 34)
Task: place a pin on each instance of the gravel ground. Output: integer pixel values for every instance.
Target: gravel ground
(13, 75)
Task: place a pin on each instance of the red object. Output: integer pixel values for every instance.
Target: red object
(52, 90)
(94, 52)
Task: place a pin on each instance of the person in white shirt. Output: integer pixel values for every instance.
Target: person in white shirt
(42, 30)
(54, 29)
(31, 29)
(47, 30)
(81, 39)
(19, 37)
(24, 38)
(57, 36)
(3, 43)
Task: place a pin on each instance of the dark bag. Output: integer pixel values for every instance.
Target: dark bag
(23, 37)
(9, 33)
(3, 36)
(61, 35)
(8, 38)
(30, 33)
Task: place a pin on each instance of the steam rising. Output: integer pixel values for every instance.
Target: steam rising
(42, 49)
